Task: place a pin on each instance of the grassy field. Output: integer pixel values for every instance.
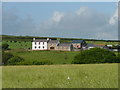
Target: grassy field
(103, 42)
(56, 76)
(56, 57)
(19, 44)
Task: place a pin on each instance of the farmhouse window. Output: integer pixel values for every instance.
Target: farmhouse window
(39, 43)
(35, 43)
(43, 46)
(35, 47)
(39, 46)
(43, 43)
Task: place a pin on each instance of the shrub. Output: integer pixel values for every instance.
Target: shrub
(15, 41)
(5, 46)
(47, 62)
(118, 58)
(15, 60)
(95, 55)
(42, 63)
(6, 57)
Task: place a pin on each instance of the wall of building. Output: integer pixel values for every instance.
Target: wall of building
(76, 44)
(62, 48)
(49, 45)
(39, 45)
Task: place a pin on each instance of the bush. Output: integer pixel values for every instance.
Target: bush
(6, 57)
(95, 55)
(5, 46)
(42, 63)
(15, 60)
(118, 58)
(15, 41)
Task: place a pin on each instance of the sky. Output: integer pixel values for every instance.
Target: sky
(93, 20)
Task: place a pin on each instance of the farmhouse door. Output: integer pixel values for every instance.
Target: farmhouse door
(52, 47)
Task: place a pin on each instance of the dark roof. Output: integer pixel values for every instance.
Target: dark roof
(78, 41)
(90, 45)
(53, 41)
(93, 45)
(64, 44)
(40, 40)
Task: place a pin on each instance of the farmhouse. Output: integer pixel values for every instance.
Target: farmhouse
(52, 44)
(39, 44)
(75, 45)
(65, 47)
(48, 44)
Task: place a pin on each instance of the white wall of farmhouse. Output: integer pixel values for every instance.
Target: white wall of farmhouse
(39, 45)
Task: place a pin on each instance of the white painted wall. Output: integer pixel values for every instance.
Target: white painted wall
(39, 46)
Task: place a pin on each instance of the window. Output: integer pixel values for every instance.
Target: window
(39, 43)
(43, 43)
(35, 43)
(35, 47)
(39, 46)
(43, 46)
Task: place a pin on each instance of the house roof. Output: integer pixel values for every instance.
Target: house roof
(77, 41)
(94, 45)
(64, 44)
(40, 40)
(53, 41)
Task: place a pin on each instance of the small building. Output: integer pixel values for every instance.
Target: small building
(52, 44)
(65, 47)
(77, 44)
(89, 46)
(39, 44)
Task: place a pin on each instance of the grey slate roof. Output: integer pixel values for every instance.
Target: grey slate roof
(53, 41)
(64, 44)
(77, 41)
(40, 40)
(93, 45)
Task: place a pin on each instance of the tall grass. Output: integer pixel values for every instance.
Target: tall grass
(56, 76)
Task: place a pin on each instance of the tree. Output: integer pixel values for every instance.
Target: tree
(95, 55)
(16, 60)
(6, 57)
(5, 46)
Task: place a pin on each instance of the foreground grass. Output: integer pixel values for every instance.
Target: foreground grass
(56, 76)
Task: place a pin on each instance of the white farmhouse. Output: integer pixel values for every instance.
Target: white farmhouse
(39, 44)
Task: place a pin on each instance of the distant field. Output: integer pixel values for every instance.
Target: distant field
(19, 44)
(102, 42)
(28, 44)
(56, 57)
(56, 76)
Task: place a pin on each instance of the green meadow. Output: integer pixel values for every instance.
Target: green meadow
(61, 76)
(19, 44)
(56, 57)
(103, 42)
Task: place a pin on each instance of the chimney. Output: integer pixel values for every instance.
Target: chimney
(47, 39)
(33, 39)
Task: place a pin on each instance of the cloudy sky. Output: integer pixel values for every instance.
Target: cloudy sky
(96, 20)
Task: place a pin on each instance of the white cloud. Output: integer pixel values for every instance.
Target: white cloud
(83, 23)
(57, 16)
(114, 18)
(81, 10)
